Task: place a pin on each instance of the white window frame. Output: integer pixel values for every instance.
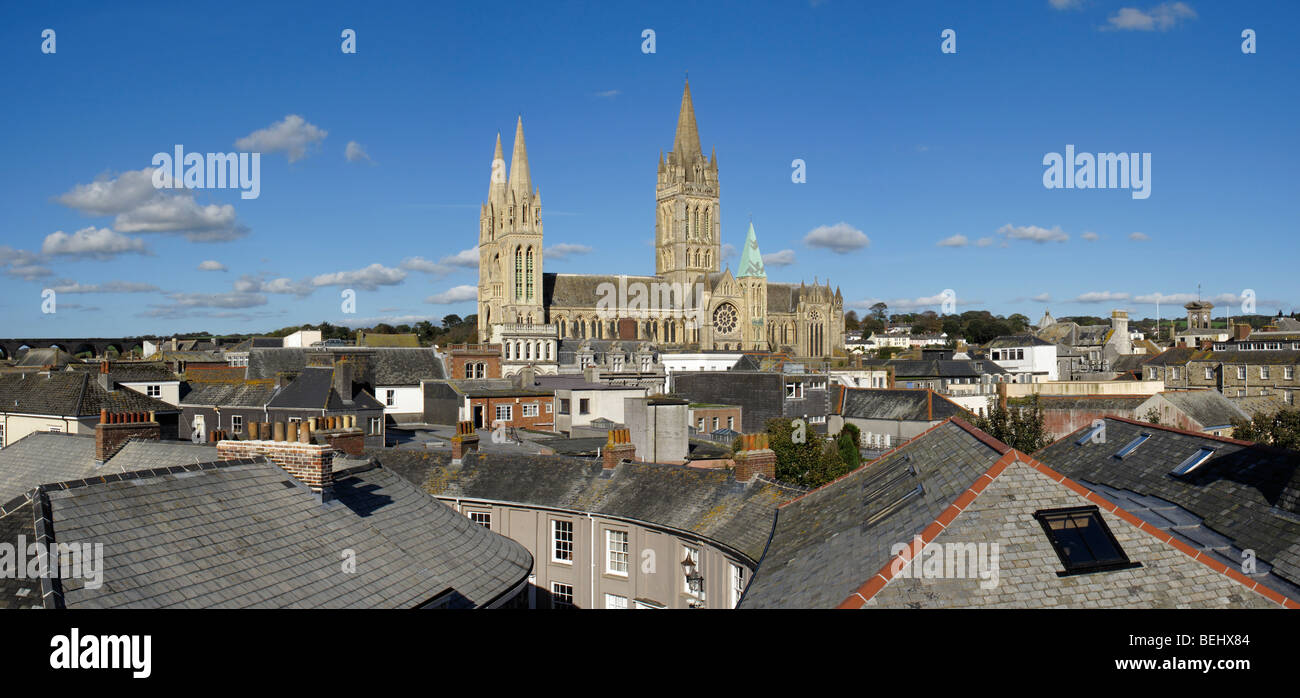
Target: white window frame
(618, 552)
(556, 541)
(376, 426)
(390, 397)
(1288, 373)
(1241, 373)
(509, 413)
(153, 390)
(557, 593)
(1263, 372)
(531, 409)
(737, 583)
(615, 602)
(1209, 373)
(482, 518)
(237, 423)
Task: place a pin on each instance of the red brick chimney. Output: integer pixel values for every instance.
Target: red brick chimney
(116, 428)
(1241, 331)
(755, 458)
(310, 464)
(465, 441)
(618, 448)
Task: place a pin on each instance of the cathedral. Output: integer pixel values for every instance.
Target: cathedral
(729, 311)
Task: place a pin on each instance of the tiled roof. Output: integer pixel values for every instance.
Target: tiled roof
(314, 389)
(242, 394)
(69, 394)
(581, 290)
(1017, 340)
(131, 371)
(1248, 494)
(241, 534)
(708, 503)
(41, 457)
(1208, 407)
(868, 539)
(386, 366)
(406, 366)
(829, 541)
(897, 404)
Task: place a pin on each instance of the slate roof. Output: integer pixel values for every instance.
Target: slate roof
(17, 591)
(243, 534)
(313, 389)
(1208, 407)
(43, 457)
(69, 394)
(708, 503)
(1074, 334)
(1246, 493)
(939, 368)
(242, 394)
(1259, 404)
(388, 366)
(402, 366)
(49, 356)
(581, 290)
(782, 298)
(1017, 340)
(828, 542)
(1085, 402)
(897, 404)
(131, 371)
(1180, 356)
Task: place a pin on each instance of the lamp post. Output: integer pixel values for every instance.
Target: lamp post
(694, 580)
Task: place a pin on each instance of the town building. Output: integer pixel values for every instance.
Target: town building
(761, 395)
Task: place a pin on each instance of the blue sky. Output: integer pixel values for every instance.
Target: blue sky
(916, 149)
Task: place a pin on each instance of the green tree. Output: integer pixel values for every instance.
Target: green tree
(1281, 429)
(812, 463)
(880, 311)
(1019, 426)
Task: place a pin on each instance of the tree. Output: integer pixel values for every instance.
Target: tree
(851, 321)
(880, 311)
(848, 443)
(812, 463)
(1281, 429)
(1019, 426)
(1018, 322)
(450, 321)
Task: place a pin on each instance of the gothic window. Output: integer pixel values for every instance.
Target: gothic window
(564, 328)
(708, 231)
(725, 318)
(529, 274)
(697, 222)
(688, 224)
(519, 274)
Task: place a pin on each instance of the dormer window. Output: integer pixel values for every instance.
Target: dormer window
(1083, 541)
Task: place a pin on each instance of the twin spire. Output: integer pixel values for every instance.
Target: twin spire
(519, 182)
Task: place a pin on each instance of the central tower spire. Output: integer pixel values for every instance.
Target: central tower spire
(687, 143)
(520, 182)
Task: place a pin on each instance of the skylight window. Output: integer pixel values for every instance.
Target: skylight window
(1082, 541)
(1194, 461)
(1131, 446)
(1088, 435)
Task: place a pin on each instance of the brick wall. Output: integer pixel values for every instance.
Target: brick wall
(544, 418)
(310, 464)
(115, 429)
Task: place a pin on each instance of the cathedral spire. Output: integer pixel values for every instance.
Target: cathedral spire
(497, 187)
(520, 183)
(686, 146)
(751, 260)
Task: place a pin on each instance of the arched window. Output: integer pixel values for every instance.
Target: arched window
(697, 222)
(708, 231)
(688, 223)
(529, 274)
(519, 274)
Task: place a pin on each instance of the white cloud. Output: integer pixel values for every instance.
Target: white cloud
(456, 294)
(140, 208)
(1165, 299)
(1033, 233)
(22, 264)
(906, 304)
(840, 238)
(259, 284)
(465, 259)
(984, 242)
(69, 286)
(355, 152)
(293, 135)
(1090, 237)
(953, 241)
(1162, 17)
(1066, 4)
(1042, 298)
(92, 243)
(211, 265)
(1139, 237)
(782, 258)
(564, 250)
(368, 278)
(729, 250)
(216, 300)
(1100, 297)
(607, 94)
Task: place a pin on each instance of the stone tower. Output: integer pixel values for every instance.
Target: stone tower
(686, 216)
(753, 283)
(510, 244)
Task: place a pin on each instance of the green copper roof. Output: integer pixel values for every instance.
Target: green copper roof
(751, 260)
